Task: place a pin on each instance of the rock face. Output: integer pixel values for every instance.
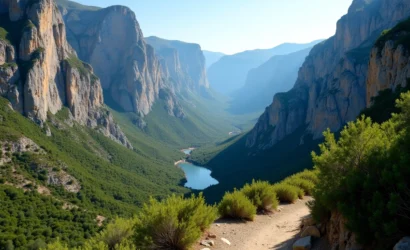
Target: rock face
(331, 86)
(183, 62)
(40, 73)
(337, 234)
(389, 65)
(112, 42)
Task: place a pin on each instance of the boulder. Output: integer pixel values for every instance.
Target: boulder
(307, 221)
(212, 236)
(226, 241)
(311, 231)
(303, 244)
(403, 244)
(208, 243)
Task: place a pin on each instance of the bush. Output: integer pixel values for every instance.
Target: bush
(116, 233)
(175, 223)
(237, 205)
(310, 175)
(306, 185)
(262, 195)
(286, 192)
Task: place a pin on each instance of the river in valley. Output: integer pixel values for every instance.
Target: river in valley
(198, 178)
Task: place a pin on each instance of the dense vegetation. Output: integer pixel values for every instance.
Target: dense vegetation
(114, 181)
(364, 175)
(28, 220)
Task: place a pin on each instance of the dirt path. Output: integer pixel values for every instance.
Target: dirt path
(275, 231)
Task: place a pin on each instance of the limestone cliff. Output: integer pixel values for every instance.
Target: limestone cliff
(331, 85)
(183, 62)
(112, 42)
(389, 65)
(40, 73)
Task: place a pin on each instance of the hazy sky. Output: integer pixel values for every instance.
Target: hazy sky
(232, 26)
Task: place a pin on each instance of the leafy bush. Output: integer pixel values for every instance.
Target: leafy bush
(175, 223)
(310, 175)
(306, 185)
(364, 176)
(286, 192)
(237, 205)
(116, 233)
(262, 195)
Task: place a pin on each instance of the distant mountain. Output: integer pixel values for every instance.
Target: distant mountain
(212, 57)
(276, 75)
(229, 73)
(182, 63)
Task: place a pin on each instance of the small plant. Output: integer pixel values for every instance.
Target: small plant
(286, 192)
(175, 223)
(262, 195)
(237, 205)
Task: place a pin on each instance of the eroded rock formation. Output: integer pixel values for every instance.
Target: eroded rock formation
(331, 86)
(40, 72)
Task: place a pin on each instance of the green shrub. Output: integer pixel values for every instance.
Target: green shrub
(117, 232)
(310, 175)
(262, 195)
(175, 223)
(286, 192)
(306, 185)
(237, 205)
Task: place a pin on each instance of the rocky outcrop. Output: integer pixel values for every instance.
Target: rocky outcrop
(331, 85)
(338, 235)
(40, 72)
(183, 62)
(389, 65)
(112, 42)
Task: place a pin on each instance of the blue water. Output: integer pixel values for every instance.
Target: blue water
(187, 151)
(198, 178)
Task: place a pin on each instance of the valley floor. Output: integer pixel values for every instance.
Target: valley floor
(276, 231)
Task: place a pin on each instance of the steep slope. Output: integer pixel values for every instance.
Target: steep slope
(41, 73)
(276, 75)
(211, 57)
(184, 63)
(112, 42)
(330, 89)
(229, 73)
(389, 66)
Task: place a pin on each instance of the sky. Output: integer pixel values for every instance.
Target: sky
(232, 26)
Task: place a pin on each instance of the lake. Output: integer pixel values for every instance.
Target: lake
(198, 178)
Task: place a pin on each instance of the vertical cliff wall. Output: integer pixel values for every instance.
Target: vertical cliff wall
(40, 73)
(111, 40)
(331, 86)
